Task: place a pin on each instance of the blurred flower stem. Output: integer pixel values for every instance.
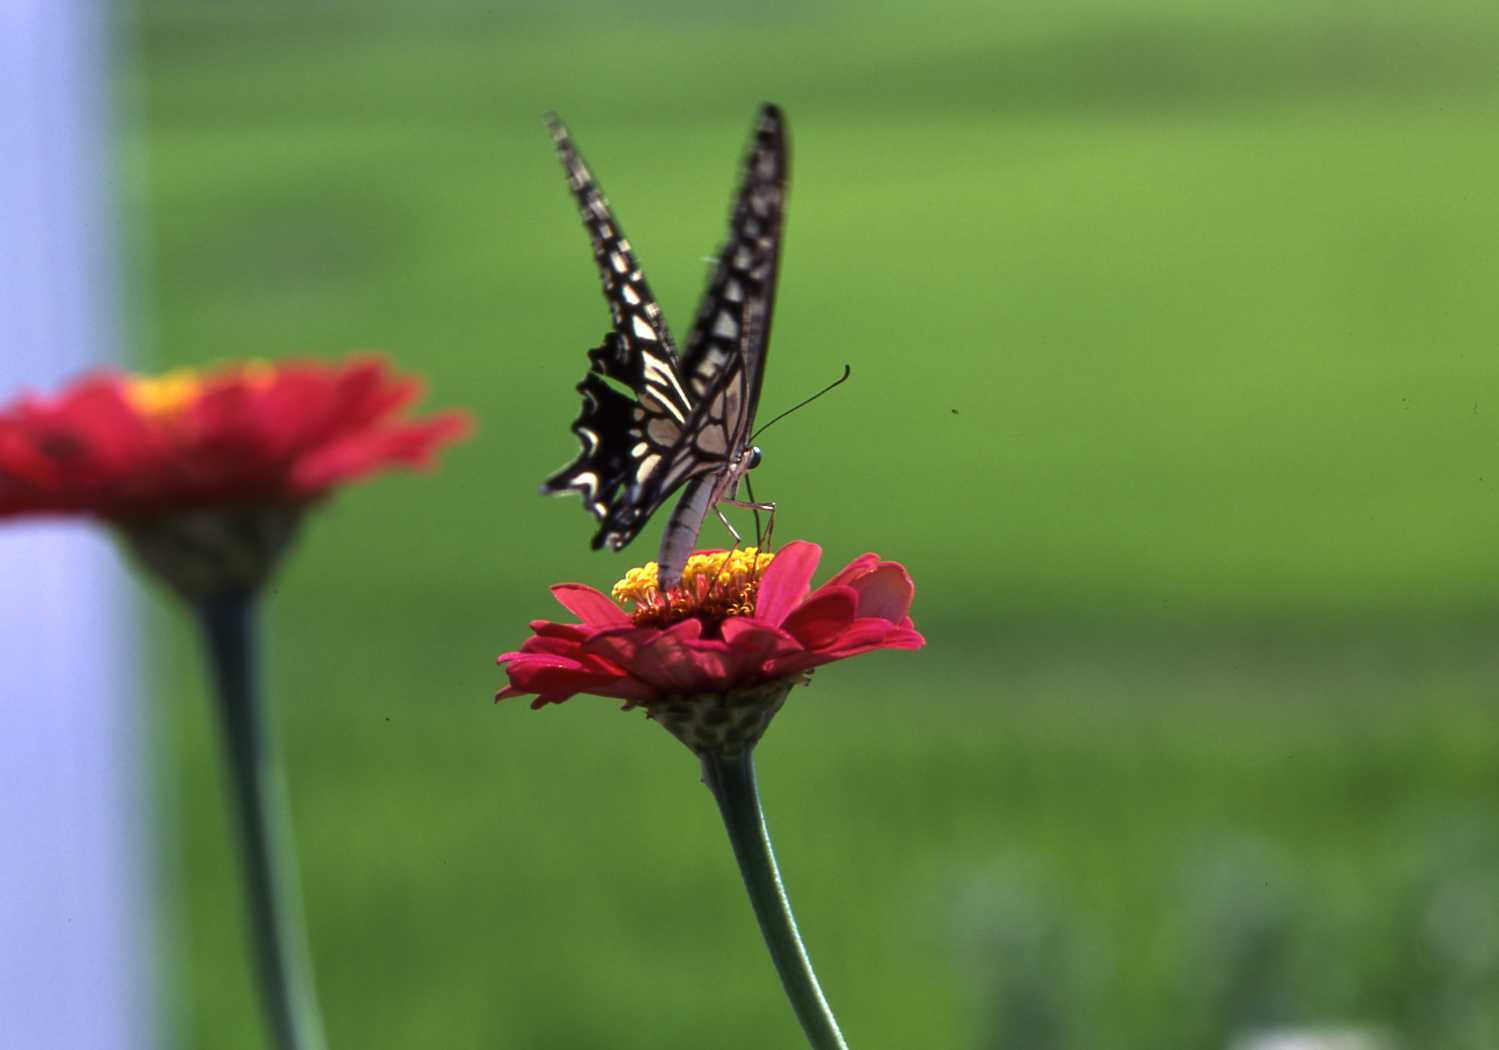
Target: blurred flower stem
(229, 623)
(731, 778)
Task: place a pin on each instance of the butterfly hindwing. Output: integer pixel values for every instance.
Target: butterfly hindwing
(619, 454)
(626, 438)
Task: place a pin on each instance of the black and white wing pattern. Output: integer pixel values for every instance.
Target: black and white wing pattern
(680, 420)
(625, 439)
(724, 364)
(733, 319)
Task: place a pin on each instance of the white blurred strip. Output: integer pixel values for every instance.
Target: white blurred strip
(76, 958)
(1316, 1039)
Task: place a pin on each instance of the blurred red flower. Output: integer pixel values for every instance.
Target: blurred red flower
(125, 448)
(738, 620)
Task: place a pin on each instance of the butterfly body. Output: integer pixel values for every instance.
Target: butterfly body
(654, 421)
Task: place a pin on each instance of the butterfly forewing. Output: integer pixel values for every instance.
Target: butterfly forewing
(626, 439)
(643, 355)
(733, 319)
(725, 359)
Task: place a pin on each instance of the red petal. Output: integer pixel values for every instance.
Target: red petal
(247, 437)
(756, 645)
(866, 635)
(885, 591)
(621, 645)
(555, 678)
(367, 451)
(675, 667)
(785, 581)
(631, 689)
(543, 672)
(578, 632)
(796, 663)
(862, 636)
(687, 630)
(820, 619)
(542, 643)
(715, 662)
(905, 638)
(854, 569)
(592, 607)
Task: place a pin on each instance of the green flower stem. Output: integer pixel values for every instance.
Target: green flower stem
(732, 781)
(229, 630)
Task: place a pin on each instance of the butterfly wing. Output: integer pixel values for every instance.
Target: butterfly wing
(725, 360)
(724, 364)
(638, 448)
(627, 467)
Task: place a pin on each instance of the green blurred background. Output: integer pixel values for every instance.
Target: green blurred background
(1172, 330)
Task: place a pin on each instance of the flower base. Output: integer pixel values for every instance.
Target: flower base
(204, 553)
(725, 724)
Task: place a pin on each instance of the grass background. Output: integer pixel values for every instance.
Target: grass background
(1172, 330)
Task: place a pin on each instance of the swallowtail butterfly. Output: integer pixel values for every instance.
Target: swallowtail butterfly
(653, 421)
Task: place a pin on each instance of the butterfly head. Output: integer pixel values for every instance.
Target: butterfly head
(752, 458)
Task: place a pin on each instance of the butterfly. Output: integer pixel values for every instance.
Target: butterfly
(652, 420)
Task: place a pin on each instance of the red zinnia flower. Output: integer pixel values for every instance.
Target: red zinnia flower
(210, 461)
(123, 447)
(741, 624)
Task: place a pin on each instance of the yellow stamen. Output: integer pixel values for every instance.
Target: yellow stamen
(714, 586)
(171, 392)
(163, 395)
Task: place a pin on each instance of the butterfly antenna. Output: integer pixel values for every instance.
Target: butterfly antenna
(847, 371)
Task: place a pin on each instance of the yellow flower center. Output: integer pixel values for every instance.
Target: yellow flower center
(170, 393)
(163, 395)
(714, 587)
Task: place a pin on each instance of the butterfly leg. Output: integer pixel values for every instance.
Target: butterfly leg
(761, 541)
(770, 523)
(738, 539)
